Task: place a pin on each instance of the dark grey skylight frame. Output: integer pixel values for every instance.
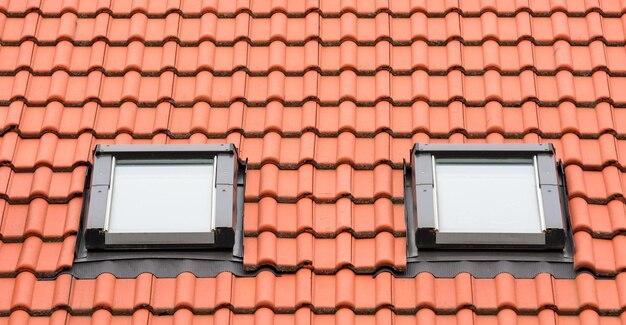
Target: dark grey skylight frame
(422, 210)
(227, 191)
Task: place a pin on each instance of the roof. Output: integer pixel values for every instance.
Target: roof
(325, 99)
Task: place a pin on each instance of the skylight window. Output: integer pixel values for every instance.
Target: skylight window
(487, 197)
(478, 198)
(164, 196)
(157, 198)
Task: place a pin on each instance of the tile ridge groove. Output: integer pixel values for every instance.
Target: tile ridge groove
(394, 200)
(315, 310)
(317, 69)
(44, 239)
(371, 235)
(265, 43)
(30, 198)
(300, 103)
(290, 166)
(393, 14)
(280, 199)
(381, 271)
(355, 234)
(319, 134)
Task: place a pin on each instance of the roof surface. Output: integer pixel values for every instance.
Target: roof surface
(325, 99)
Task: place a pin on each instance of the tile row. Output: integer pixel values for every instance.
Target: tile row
(43, 257)
(600, 256)
(365, 153)
(364, 121)
(288, 185)
(57, 221)
(322, 293)
(185, 91)
(600, 220)
(26, 154)
(296, 30)
(327, 7)
(325, 255)
(55, 187)
(306, 317)
(325, 220)
(603, 221)
(260, 60)
(325, 185)
(595, 186)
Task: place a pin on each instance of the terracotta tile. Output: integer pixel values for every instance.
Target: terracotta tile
(270, 181)
(264, 8)
(603, 256)
(203, 118)
(614, 57)
(345, 314)
(19, 6)
(264, 250)
(349, 130)
(268, 215)
(43, 182)
(52, 151)
(267, 249)
(131, 118)
(37, 256)
(605, 219)
(228, 30)
(42, 219)
(16, 29)
(279, 27)
(490, 26)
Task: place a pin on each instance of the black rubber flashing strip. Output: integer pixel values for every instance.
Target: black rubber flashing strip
(489, 269)
(159, 267)
(171, 267)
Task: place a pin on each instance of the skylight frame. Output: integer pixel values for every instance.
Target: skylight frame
(225, 214)
(114, 238)
(422, 214)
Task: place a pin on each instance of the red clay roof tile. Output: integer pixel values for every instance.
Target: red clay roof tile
(321, 293)
(325, 99)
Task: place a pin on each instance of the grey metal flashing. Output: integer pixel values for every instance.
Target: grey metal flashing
(164, 149)
(228, 231)
(481, 149)
(121, 239)
(476, 238)
(423, 222)
(522, 261)
(172, 267)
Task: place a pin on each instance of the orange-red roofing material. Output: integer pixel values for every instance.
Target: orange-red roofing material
(324, 98)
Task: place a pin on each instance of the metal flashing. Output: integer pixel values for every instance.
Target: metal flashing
(424, 244)
(225, 242)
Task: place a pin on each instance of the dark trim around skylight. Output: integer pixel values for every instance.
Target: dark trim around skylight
(426, 243)
(224, 239)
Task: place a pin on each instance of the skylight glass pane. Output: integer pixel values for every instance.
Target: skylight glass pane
(155, 197)
(487, 196)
